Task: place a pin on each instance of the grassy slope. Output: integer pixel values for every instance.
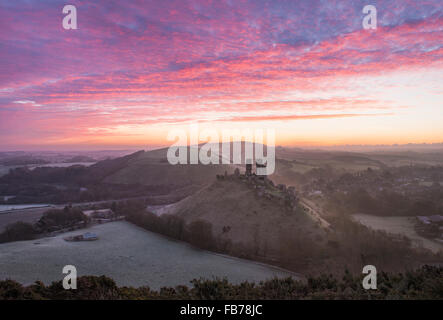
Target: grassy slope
(151, 168)
(257, 223)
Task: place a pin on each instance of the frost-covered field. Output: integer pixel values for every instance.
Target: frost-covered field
(8, 207)
(400, 226)
(126, 253)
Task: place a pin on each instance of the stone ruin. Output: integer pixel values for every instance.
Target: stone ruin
(264, 187)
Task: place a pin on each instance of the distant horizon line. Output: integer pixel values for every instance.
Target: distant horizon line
(158, 147)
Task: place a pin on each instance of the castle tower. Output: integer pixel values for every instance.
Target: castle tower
(248, 167)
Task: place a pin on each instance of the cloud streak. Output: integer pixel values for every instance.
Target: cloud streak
(148, 62)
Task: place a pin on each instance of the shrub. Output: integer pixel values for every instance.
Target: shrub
(18, 231)
(423, 283)
(57, 219)
(199, 234)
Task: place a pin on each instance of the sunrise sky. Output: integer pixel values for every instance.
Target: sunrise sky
(133, 70)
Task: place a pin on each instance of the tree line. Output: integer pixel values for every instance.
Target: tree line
(423, 283)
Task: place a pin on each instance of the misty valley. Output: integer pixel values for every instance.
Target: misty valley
(307, 218)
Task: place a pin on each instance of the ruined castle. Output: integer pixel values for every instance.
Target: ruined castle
(263, 186)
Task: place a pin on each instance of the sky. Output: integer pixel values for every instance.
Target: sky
(135, 70)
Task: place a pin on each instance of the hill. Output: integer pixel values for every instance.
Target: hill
(251, 218)
(256, 220)
(152, 168)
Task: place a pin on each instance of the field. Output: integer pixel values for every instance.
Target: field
(129, 255)
(400, 226)
(28, 215)
(12, 207)
(5, 169)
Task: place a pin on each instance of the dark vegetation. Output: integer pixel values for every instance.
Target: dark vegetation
(52, 220)
(388, 203)
(197, 233)
(403, 191)
(18, 231)
(72, 184)
(21, 161)
(423, 283)
(349, 244)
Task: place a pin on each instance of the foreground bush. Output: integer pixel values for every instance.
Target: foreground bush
(424, 283)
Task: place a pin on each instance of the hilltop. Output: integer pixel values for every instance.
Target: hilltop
(151, 168)
(250, 217)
